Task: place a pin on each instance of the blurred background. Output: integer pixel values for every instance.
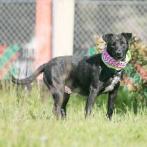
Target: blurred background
(34, 31)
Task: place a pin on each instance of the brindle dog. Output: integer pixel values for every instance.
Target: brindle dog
(90, 75)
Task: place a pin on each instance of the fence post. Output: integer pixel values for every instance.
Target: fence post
(63, 26)
(43, 32)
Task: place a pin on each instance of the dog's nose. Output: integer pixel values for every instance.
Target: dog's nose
(118, 53)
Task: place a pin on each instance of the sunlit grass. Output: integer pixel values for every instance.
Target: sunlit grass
(27, 121)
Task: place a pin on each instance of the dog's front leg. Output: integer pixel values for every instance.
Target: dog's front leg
(90, 100)
(111, 99)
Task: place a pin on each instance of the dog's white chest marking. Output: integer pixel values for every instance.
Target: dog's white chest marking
(114, 81)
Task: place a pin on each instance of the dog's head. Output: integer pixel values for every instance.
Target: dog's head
(117, 44)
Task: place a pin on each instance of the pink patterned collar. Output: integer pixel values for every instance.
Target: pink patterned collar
(115, 64)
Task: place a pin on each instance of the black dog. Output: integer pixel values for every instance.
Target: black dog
(93, 76)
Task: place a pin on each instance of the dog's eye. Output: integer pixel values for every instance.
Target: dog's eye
(113, 44)
(122, 42)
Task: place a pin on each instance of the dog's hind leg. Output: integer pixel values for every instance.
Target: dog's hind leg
(65, 101)
(57, 91)
(58, 101)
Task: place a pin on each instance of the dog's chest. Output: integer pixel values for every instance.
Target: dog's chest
(113, 81)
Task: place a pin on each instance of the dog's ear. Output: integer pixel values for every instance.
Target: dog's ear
(128, 36)
(107, 37)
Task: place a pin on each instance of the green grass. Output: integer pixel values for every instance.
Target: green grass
(27, 121)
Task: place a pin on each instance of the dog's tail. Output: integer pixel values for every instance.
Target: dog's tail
(31, 78)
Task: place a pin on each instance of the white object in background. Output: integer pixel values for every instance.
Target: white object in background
(63, 27)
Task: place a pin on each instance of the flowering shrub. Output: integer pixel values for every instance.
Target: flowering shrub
(136, 72)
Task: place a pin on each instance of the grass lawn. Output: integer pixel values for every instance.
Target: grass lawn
(27, 121)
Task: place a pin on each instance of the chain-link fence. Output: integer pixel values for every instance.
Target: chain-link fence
(17, 20)
(17, 25)
(92, 17)
(97, 17)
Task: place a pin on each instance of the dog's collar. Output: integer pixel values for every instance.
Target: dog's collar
(115, 64)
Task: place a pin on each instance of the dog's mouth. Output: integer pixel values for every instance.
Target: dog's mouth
(120, 57)
(117, 56)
